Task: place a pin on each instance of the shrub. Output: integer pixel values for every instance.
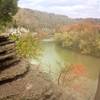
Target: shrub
(27, 46)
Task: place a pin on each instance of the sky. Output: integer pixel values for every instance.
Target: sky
(71, 8)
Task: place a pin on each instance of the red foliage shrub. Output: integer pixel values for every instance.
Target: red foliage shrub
(79, 70)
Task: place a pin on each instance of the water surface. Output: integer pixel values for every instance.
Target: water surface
(54, 57)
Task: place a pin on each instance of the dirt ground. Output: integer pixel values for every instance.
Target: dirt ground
(36, 85)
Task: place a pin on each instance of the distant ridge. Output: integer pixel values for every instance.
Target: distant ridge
(40, 21)
(44, 22)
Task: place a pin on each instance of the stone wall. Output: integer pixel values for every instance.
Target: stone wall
(11, 67)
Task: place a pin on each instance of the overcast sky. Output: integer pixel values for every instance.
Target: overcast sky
(71, 8)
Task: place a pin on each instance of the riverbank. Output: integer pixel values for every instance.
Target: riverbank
(54, 58)
(76, 50)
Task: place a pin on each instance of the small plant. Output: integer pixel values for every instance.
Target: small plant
(27, 46)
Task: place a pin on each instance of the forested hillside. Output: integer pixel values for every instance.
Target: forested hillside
(83, 37)
(40, 21)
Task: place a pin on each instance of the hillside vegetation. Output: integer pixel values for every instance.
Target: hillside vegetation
(43, 22)
(83, 37)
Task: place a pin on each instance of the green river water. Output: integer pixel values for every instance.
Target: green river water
(54, 57)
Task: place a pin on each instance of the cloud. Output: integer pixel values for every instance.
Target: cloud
(71, 8)
(61, 3)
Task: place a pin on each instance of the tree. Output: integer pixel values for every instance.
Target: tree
(83, 37)
(8, 9)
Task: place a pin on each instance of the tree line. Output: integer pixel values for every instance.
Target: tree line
(83, 37)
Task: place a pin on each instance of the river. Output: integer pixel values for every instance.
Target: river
(54, 57)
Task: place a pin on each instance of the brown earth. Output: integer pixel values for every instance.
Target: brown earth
(35, 85)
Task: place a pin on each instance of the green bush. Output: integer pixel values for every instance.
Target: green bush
(27, 46)
(86, 43)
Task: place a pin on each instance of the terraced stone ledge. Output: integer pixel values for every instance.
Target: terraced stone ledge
(13, 72)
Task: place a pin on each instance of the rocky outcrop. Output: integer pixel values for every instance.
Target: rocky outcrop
(11, 67)
(13, 72)
(7, 53)
(21, 81)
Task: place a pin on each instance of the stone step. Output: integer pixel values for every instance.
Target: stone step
(9, 51)
(6, 42)
(7, 47)
(6, 63)
(3, 38)
(6, 52)
(9, 55)
(13, 72)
